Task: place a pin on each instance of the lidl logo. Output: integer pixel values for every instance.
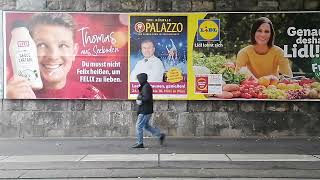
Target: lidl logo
(208, 30)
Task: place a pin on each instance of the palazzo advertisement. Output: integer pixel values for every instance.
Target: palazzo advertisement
(158, 47)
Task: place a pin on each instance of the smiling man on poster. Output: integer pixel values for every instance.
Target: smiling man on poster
(150, 64)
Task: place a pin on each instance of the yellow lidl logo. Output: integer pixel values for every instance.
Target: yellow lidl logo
(208, 30)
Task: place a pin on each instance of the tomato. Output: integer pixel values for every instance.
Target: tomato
(253, 93)
(245, 90)
(246, 95)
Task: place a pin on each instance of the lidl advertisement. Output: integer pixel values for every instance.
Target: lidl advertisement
(255, 56)
(59, 55)
(247, 56)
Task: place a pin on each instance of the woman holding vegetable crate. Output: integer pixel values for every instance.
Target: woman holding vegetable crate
(262, 58)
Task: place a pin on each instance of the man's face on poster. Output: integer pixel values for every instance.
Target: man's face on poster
(147, 49)
(56, 52)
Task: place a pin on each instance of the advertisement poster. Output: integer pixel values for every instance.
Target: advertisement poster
(260, 56)
(158, 47)
(60, 55)
(187, 56)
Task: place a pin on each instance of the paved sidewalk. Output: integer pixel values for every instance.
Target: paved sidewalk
(184, 158)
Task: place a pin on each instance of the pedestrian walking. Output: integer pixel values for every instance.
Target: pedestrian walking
(145, 102)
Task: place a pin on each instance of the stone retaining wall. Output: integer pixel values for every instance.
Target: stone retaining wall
(83, 118)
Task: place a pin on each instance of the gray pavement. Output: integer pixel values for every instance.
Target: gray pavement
(178, 158)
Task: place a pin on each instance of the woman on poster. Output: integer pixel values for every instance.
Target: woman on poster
(262, 58)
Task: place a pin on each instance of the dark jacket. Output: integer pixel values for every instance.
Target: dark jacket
(145, 94)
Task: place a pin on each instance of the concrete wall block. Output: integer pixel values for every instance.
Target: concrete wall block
(202, 5)
(128, 105)
(165, 120)
(263, 123)
(56, 105)
(29, 130)
(231, 133)
(276, 121)
(1, 102)
(150, 5)
(73, 5)
(291, 5)
(24, 120)
(225, 106)
(12, 105)
(111, 106)
(93, 5)
(7, 4)
(53, 4)
(215, 122)
(55, 132)
(277, 106)
(178, 106)
(7, 127)
(51, 119)
(265, 5)
(200, 106)
(224, 5)
(93, 105)
(311, 4)
(132, 5)
(245, 5)
(81, 119)
(160, 105)
(172, 131)
(121, 123)
(31, 5)
(76, 105)
(20, 117)
(111, 5)
(191, 124)
(184, 6)
(132, 127)
(6, 118)
(121, 119)
(32, 105)
(101, 118)
(251, 106)
(164, 5)
(304, 123)
(305, 107)
(8, 131)
(245, 121)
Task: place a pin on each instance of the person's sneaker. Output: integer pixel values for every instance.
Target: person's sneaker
(162, 138)
(137, 146)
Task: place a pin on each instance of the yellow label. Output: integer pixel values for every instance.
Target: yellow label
(174, 75)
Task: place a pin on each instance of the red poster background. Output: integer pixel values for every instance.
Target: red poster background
(93, 25)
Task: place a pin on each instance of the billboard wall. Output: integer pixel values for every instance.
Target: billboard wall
(187, 56)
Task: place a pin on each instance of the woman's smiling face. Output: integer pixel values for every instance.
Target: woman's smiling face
(56, 53)
(263, 34)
